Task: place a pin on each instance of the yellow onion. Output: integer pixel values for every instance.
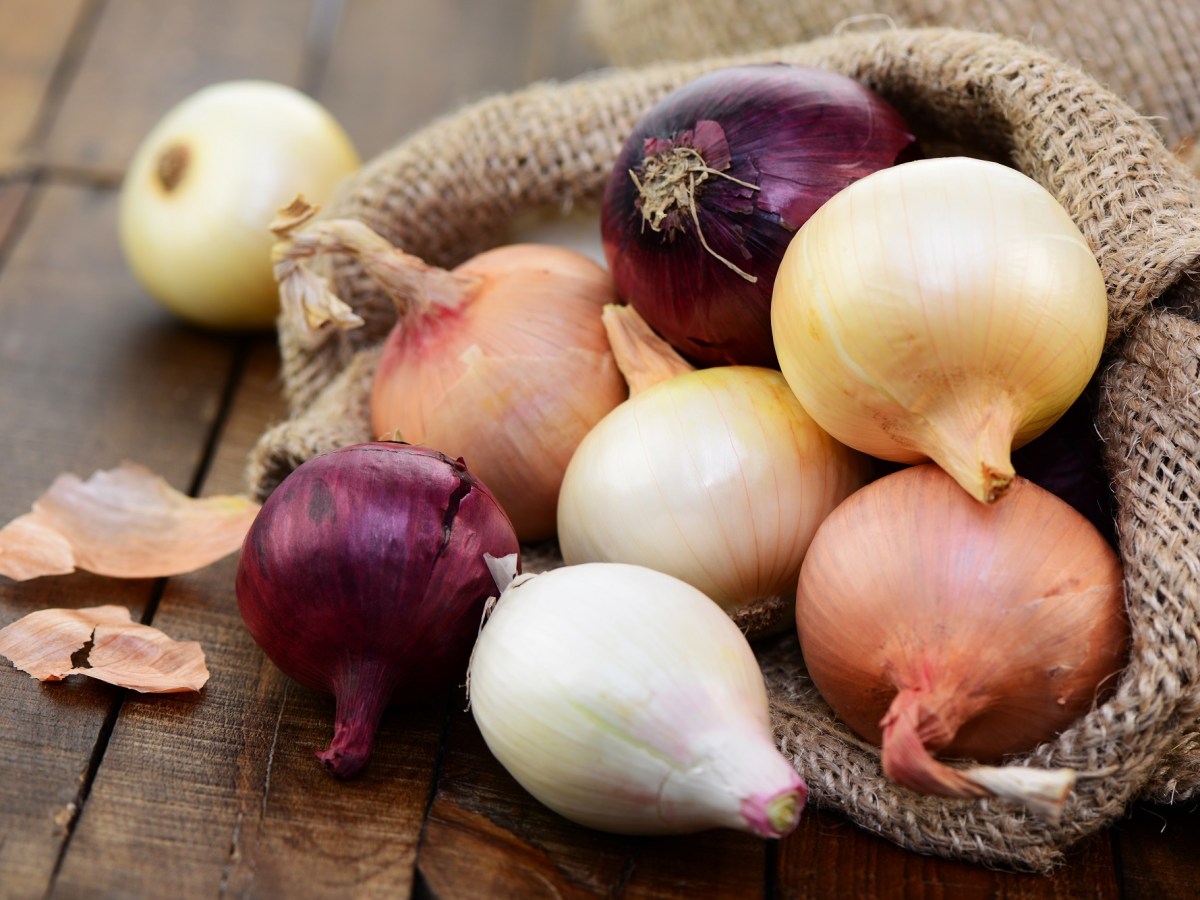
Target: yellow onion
(944, 309)
(205, 183)
(716, 476)
(935, 624)
(502, 361)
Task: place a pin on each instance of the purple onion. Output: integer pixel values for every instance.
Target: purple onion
(364, 576)
(714, 181)
(1068, 460)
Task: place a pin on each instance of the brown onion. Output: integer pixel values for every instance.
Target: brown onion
(932, 623)
(364, 576)
(502, 360)
(713, 182)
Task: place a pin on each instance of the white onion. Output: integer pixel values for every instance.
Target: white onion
(204, 186)
(625, 700)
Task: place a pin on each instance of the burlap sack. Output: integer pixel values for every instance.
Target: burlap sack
(1145, 51)
(452, 189)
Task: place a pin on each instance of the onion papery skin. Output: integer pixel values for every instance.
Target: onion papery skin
(364, 576)
(626, 701)
(997, 626)
(716, 476)
(796, 134)
(510, 376)
(944, 309)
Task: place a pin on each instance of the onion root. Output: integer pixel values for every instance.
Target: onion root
(910, 730)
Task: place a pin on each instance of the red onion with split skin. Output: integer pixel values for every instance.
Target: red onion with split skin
(713, 182)
(364, 576)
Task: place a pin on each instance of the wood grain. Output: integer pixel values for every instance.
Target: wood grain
(93, 374)
(225, 784)
(146, 57)
(399, 64)
(829, 856)
(32, 43)
(487, 837)
(13, 196)
(1158, 852)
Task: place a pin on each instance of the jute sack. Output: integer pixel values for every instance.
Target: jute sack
(448, 191)
(1145, 51)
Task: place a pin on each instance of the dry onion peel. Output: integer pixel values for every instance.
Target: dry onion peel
(944, 309)
(935, 624)
(122, 652)
(502, 361)
(125, 522)
(716, 476)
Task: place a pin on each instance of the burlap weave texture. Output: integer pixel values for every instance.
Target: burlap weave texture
(448, 191)
(1145, 51)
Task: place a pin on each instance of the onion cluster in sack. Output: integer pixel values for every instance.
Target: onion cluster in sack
(998, 99)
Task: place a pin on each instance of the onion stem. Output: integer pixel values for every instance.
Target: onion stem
(413, 285)
(643, 357)
(972, 441)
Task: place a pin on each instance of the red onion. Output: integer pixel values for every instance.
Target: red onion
(363, 575)
(712, 184)
(1068, 460)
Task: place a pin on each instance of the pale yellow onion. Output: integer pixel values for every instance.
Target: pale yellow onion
(716, 476)
(205, 183)
(626, 701)
(503, 360)
(944, 309)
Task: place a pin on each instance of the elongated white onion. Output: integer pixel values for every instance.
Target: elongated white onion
(625, 700)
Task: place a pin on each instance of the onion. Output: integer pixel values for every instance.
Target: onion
(716, 476)
(625, 700)
(364, 576)
(1067, 460)
(713, 182)
(944, 309)
(935, 624)
(205, 183)
(502, 361)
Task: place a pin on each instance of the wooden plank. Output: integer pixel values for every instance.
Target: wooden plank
(32, 43)
(398, 64)
(225, 785)
(487, 837)
(1158, 852)
(93, 374)
(829, 856)
(146, 57)
(13, 196)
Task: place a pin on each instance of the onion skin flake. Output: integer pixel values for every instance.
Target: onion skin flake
(125, 522)
(47, 643)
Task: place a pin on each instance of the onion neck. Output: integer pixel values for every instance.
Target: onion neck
(972, 442)
(362, 691)
(918, 721)
(642, 356)
(416, 288)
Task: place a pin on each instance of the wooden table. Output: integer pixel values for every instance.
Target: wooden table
(109, 793)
